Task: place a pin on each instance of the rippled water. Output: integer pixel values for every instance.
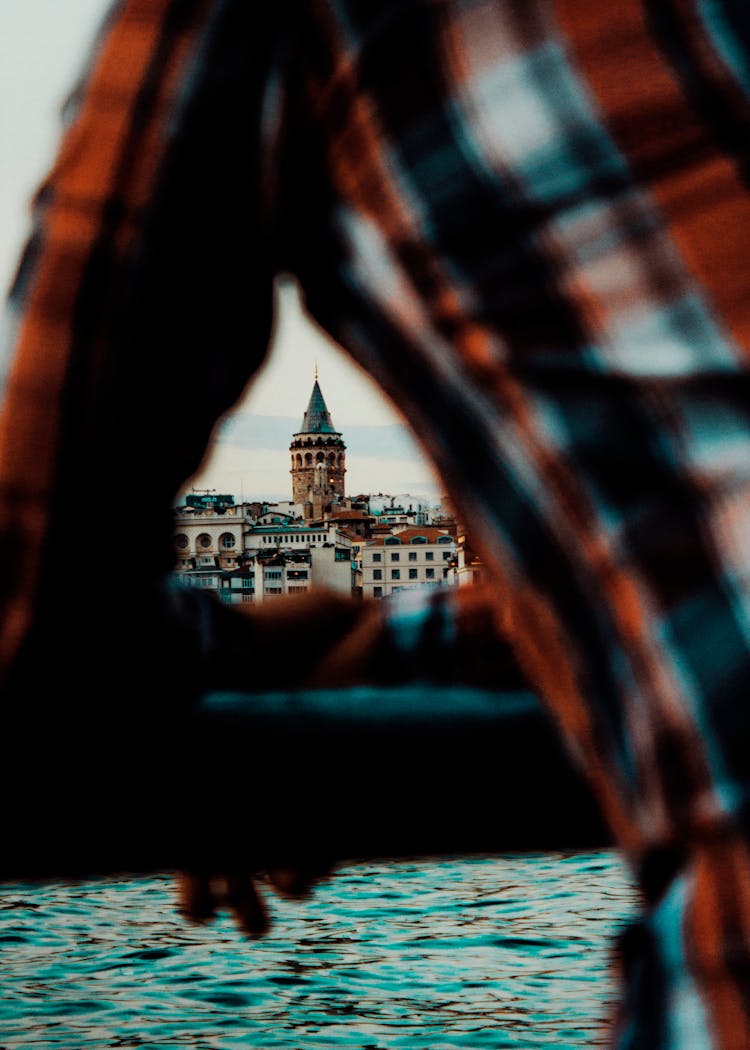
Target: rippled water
(502, 952)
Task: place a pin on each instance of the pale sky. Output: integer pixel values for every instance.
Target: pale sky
(42, 46)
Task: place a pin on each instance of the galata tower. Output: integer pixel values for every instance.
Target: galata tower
(318, 458)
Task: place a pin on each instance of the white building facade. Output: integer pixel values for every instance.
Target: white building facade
(413, 557)
(248, 563)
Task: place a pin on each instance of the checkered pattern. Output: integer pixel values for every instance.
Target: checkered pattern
(529, 223)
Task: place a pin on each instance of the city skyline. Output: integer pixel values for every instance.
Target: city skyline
(251, 460)
(250, 452)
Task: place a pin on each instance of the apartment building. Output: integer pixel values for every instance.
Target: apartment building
(410, 557)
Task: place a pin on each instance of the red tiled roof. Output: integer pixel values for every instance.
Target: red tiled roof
(430, 533)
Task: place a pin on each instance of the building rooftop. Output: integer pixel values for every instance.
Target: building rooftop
(317, 418)
(351, 515)
(427, 532)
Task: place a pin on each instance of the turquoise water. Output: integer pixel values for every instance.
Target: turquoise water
(485, 953)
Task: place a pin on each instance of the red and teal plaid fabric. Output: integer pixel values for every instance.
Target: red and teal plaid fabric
(529, 222)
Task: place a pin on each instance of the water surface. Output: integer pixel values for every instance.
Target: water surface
(485, 953)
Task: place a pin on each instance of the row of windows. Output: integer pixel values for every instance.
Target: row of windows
(248, 582)
(377, 574)
(226, 541)
(396, 556)
(313, 537)
(248, 585)
(331, 459)
(389, 541)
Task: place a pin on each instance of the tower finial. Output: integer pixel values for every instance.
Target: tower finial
(316, 371)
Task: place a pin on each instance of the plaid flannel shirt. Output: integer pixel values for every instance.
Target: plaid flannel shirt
(528, 222)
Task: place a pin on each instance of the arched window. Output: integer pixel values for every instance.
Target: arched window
(227, 541)
(418, 539)
(298, 460)
(445, 539)
(308, 459)
(320, 457)
(390, 540)
(341, 459)
(204, 540)
(181, 541)
(331, 459)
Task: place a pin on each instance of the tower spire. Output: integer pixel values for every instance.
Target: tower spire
(317, 418)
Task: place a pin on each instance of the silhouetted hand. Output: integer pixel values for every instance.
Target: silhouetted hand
(201, 896)
(339, 642)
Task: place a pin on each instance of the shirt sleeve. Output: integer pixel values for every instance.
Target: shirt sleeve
(142, 306)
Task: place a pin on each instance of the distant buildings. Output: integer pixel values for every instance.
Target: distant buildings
(407, 557)
(249, 557)
(400, 510)
(370, 545)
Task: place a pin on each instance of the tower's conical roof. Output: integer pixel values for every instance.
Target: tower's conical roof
(317, 418)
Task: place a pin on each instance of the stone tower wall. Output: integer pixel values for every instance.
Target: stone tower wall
(318, 468)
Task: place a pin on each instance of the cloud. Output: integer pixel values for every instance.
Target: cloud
(275, 432)
(250, 458)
